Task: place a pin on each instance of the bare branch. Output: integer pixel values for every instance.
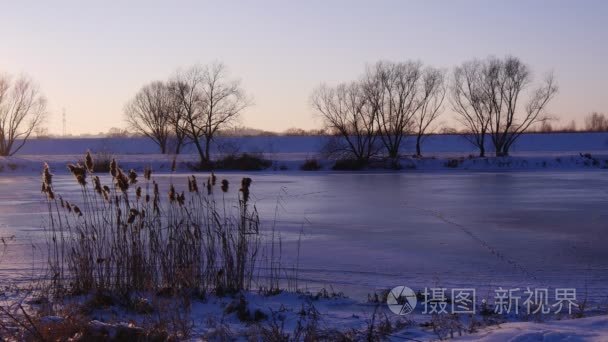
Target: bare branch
(431, 98)
(347, 112)
(22, 110)
(150, 111)
(470, 103)
(392, 90)
(208, 101)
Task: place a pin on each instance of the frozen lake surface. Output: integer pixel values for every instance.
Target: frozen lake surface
(368, 231)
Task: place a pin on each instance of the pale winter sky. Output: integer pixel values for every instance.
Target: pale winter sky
(91, 57)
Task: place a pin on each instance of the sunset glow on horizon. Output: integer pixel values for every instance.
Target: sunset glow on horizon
(91, 59)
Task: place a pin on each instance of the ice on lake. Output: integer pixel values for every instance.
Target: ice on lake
(369, 231)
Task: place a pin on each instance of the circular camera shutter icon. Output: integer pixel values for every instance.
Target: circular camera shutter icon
(401, 300)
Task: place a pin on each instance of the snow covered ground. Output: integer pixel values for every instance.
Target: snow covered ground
(578, 151)
(366, 232)
(556, 143)
(586, 329)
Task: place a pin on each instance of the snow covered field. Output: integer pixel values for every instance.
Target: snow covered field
(365, 232)
(434, 144)
(530, 152)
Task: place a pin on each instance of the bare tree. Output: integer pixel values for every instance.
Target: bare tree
(504, 82)
(545, 127)
(149, 113)
(392, 90)
(469, 101)
(185, 88)
(347, 112)
(177, 138)
(22, 110)
(223, 101)
(596, 122)
(432, 95)
(117, 132)
(570, 127)
(209, 102)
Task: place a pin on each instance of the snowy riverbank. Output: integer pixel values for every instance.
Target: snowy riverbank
(558, 151)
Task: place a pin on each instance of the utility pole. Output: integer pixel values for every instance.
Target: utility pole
(64, 123)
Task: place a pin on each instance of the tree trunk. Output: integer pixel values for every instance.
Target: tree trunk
(482, 146)
(418, 152)
(207, 149)
(505, 150)
(201, 154)
(393, 152)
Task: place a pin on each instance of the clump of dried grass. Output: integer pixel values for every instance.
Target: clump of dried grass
(127, 236)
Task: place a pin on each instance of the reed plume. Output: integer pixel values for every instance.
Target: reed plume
(89, 162)
(182, 243)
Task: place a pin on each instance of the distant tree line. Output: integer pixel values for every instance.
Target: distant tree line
(495, 100)
(492, 98)
(596, 122)
(593, 122)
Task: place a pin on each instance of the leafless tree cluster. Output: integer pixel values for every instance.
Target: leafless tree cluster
(492, 98)
(596, 122)
(150, 112)
(22, 110)
(373, 115)
(294, 131)
(433, 95)
(487, 96)
(348, 113)
(192, 106)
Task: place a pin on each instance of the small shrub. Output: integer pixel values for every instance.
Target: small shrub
(452, 163)
(378, 297)
(141, 306)
(589, 160)
(446, 326)
(241, 308)
(99, 300)
(325, 294)
(269, 291)
(241, 162)
(310, 165)
(58, 328)
(101, 161)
